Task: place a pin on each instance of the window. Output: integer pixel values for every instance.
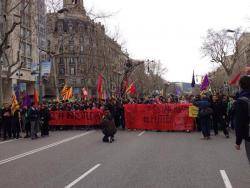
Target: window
(28, 63)
(70, 27)
(80, 60)
(22, 48)
(72, 71)
(61, 48)
(81, 49)
(71, 43)
(60, 27)
(71, 60)
(61, 70)
(28, 50)
(61, 60)
(61, 82)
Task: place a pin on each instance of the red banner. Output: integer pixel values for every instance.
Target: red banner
(76, 118)
(164, 117)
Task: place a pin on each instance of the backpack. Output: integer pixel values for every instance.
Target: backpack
(33, 114)
(245, 99)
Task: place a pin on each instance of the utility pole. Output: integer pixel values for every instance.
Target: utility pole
(54, 72)
(40, 81)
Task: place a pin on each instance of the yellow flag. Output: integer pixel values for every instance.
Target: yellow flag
(193, 111)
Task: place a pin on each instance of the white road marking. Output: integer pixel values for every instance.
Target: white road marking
(82, 176)
(10, 141)
(6, 141)
(42, 148)
(141, 133)
(225, 179)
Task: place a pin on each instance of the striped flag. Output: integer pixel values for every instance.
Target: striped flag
(131, 89)
(67, 93)
(14, 104)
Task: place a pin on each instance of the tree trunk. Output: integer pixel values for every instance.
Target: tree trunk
(1, 86)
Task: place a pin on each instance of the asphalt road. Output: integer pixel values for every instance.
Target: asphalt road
(134, 160)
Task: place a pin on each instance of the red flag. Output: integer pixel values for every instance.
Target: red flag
(36, 97)
(235, 80)
(99, 86)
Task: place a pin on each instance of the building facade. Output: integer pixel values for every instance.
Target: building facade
(23, 51)
(244, 52)
(81, 51)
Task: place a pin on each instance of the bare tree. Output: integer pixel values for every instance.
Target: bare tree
(222, 48)
(155, 72)
(100, 15)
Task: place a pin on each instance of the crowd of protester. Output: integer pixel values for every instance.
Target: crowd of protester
(216, 111)
(226, 111)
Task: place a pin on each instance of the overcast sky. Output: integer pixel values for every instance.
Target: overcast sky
(172, 30)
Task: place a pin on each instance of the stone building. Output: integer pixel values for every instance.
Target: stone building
(80, 51)
(244, 52)
(22, 52)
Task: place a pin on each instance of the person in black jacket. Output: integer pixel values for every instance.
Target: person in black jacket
(219, 115)
(33, 115)
(15, 123)
(6, 122)
(44, 120)
(241, 115)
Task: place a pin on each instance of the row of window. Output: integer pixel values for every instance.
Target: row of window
(72, 26)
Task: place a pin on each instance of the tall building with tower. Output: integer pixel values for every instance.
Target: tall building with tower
(81, 51)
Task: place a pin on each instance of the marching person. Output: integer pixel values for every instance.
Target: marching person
(219, 115)
(26, 121)
(205, 113)
(15, 123)
(6, 122)
(44, 120)
(242, 115)
(33, 115)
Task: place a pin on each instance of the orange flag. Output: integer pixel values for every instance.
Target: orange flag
(14, 104)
